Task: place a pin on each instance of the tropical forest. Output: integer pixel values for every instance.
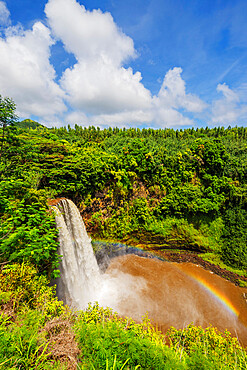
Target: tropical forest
(177, 198)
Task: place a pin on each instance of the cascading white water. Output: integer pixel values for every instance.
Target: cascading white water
(81, 281)
(80, 275)
(133, 285)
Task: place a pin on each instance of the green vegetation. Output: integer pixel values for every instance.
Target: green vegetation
(27, 228)
(38, 332)
(27, 309)
(178, 189)
(109, 342)
(7, 117)
(28, 123)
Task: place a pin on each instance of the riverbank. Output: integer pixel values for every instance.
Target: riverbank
(179, 256)
(183, 256)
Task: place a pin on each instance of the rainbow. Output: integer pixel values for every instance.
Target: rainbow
(218, 295)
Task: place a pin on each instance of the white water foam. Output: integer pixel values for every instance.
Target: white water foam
(81, 281)
(79, 271)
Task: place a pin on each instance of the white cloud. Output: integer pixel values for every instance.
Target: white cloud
(173, 94)
(4, 15)
(98, 83)
(230, 108)
(165, 116)
(229, 94)
(99, 88)
(27, 75)
(171, 98)
(88, 35)
(161, 111)
(119, 119)
(79, 118)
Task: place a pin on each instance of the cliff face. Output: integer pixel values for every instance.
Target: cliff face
(54, 202)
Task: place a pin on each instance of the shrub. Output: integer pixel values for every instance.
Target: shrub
(209, 348)
(28, 231)
(110, 342)
(21, 285)
(26, 305)
(107, 341)
(234, 249)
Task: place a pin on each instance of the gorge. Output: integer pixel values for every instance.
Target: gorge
(172, 294)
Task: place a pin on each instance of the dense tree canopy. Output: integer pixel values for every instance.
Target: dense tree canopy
(7, 116)
(179, 189)
(175, 186)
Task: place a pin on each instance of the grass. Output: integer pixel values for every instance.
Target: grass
(110, 342)
(27, 307)
(34, 336)
(215, 259)
(242, 283)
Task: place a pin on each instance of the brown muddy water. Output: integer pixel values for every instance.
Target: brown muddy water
(179, 294)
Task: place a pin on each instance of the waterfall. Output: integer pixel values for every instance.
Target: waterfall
(172, 294)
(80, 279)
(80, 275)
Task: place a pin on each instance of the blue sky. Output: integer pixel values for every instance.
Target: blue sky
(143, 63)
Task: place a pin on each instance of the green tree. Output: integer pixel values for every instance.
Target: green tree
(234, 249)
(7, 116)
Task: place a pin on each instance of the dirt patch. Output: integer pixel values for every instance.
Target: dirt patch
(62, 345)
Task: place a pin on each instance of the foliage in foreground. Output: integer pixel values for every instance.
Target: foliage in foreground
(27, 231)
(28, 307)
(109, 342)
(36, 333)
(208, 347)
(183, 188)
